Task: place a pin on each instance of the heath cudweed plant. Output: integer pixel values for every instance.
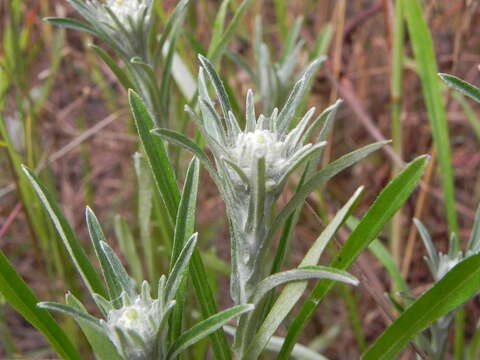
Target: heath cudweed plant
(251, 167)
(126, 26)
(135, 325)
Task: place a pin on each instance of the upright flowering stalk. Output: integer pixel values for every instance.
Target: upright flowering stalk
(251, 165)
(435, 340)
(126, 26)
(135, 326)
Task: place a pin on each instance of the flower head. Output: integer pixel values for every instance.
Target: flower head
(128, 11)
(266, 139)
(252, 164)
(123, 24)
(137, 318)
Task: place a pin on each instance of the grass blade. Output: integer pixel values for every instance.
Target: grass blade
(427, 68)
(215, 53)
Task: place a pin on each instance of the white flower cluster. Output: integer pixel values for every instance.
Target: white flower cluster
(251, 146)
(143, 317)
(127, 9)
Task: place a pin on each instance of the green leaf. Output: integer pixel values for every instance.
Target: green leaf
(293, 292)
(145, 193)
(184, 228)
(218, 25)
(70, 311)
(19, 296)
(121, 276)
(454, 289)
(217, 85)
(121, 75)
(157, 156)
(99, 341)
(97, 237)
(302, 273)
(382, 210)
(71, 24)
(181, 140)
(180, 268)
(321, 177)
(424, 52)
(385, 258)
(185, 223)
(462, 86)
(205, 328)
(73, 246)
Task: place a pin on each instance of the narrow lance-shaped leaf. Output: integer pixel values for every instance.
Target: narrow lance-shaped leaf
(121, 75)
(184, 228)
(97, 237)
(302, 273)
(454, 289)
(180, 140)
(180, 268)
(217, 84)
(99, 341)
(462, 86)
(185, 223)
(162, 171)
(206, 327)
(75, 250)
(71, 24)
(120, 274)
(381, 211)
(322, 177)
(70, 311)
